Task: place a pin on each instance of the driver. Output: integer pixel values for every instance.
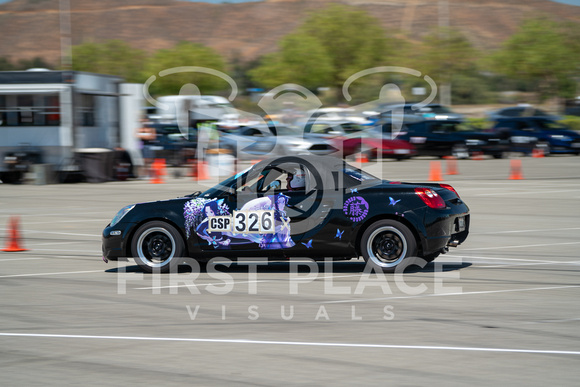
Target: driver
(296, 181)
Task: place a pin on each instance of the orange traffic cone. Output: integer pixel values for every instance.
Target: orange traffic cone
(477, 156)
(452, 166)
(537, 152)
(13, 237)
(516, 170)
(156, 172)
(202, 170)
(362, 158)
(435, 171)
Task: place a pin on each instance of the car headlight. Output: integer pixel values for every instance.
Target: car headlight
(122, 212)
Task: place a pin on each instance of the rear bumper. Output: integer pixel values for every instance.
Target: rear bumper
(444, 229)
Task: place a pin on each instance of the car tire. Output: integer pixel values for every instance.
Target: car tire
(157, 246)
(386, 244)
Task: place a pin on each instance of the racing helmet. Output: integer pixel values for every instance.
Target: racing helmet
(298, 180)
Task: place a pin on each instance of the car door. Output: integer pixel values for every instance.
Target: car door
(262, 213)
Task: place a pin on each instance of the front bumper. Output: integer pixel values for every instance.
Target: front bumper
(115, 241)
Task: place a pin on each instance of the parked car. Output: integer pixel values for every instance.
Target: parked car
(18, 162)
(338, 114)
(334, 211)
(549, 136)
(523, 110)
(261, 140)
(172, 144)
(355, 140)
(409, 113)
(449, 138)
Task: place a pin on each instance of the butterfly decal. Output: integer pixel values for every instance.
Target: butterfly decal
(354, 190)
(308, 244)
(393, 201)
(339, 233)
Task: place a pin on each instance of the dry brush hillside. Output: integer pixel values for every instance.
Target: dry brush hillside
(30, 28)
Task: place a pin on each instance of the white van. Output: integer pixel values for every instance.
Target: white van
(190, 109)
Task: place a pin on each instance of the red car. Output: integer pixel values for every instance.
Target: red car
(370, 144)
(355, 139)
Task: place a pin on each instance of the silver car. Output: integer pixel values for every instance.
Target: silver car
(258, 141)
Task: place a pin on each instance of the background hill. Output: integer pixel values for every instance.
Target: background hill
(30, 28)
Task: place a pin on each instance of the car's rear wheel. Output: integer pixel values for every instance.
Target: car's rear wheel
(157, 246)
(386, 244)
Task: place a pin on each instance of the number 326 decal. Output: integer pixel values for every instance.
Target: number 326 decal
(244, 222)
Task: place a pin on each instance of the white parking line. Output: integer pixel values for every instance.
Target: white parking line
(26, 232)
(526, 192)
(295, 343)
(521, 246)
(523, 231)
(43, 274)
(462, 257)
(20, 259)
(351, 300)
(104, 221)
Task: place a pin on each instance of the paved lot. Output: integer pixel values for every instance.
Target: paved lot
(502, 309)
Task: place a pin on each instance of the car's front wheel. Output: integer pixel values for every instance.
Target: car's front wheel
(157, 246)
(386, 244)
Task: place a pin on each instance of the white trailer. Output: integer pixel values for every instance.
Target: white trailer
(57, 118)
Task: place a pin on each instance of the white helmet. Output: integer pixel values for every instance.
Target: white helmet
(298, 180)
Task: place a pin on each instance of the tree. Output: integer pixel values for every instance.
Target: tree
(354, 40)
(446, 53)
(185, 54)
(114, 57)
(332, 44)
(542, 52)
(23, 64)
(6, 64)
(302, 59)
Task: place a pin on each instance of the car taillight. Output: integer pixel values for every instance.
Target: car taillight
(450, 188)
(430, 197)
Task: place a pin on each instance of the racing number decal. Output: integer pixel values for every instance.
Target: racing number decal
(244, 222)
(253, 218)
(267, 225)
(239, 221)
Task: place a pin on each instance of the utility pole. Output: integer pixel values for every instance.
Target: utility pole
(65, 35)
(445, 88)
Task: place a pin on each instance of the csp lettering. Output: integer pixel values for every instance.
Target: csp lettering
(219, 224)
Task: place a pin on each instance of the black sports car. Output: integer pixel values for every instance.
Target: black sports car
(293, 206)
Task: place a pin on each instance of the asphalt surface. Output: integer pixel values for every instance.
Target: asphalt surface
(501, 309)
